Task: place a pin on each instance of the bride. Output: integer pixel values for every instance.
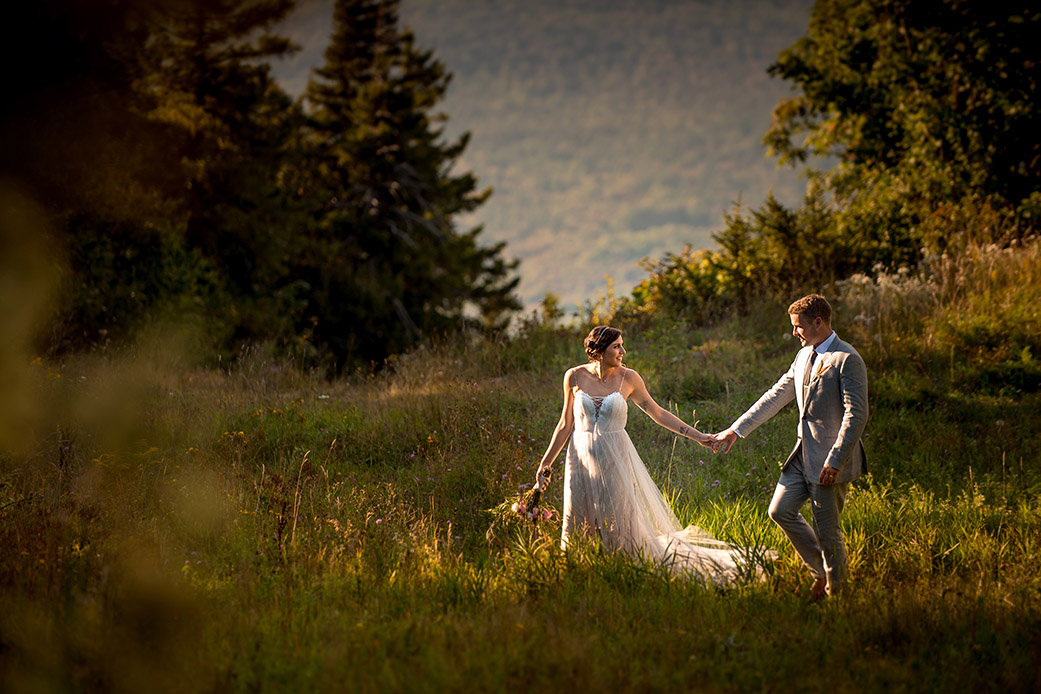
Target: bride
(608, 494)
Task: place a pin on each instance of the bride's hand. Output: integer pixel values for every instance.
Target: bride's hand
(542, 478)
(711, 442)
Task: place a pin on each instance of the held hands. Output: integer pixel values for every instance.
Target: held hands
(709, 441)
(725, 439)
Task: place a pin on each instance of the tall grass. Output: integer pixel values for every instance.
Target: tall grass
(259, 528)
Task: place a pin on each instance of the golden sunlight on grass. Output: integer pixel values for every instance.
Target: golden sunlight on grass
(168, 527)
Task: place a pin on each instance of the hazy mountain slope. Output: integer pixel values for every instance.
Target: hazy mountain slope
(610, 130)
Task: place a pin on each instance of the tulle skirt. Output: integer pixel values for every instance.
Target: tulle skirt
(609, 496)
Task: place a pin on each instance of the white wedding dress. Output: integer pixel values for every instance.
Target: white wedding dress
(609, 495)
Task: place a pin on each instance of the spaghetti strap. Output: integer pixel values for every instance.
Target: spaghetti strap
(621, 383)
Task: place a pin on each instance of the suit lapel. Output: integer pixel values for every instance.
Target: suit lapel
(827, 360)
(823, 364)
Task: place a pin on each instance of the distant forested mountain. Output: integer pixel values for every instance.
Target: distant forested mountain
(610, 130)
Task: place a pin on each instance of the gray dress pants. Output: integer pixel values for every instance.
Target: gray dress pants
(821, 545)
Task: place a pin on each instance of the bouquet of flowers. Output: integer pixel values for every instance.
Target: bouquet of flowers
(521, 509)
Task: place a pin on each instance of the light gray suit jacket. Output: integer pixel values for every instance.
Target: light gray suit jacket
(832, 415)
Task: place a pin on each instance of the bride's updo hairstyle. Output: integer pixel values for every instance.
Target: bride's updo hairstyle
(599, 339)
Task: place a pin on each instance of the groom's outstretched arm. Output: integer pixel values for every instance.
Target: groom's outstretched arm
(769, 403)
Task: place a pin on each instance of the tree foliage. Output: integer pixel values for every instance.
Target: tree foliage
(377, 159)
(206, 80)
(928, 111)
(768, 252)
(926, 105)
(180, 179)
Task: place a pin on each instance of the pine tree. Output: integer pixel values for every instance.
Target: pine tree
(75, 139)
(392, 266)
(207, 79)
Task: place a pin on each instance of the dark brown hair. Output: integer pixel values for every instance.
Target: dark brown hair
(812, 306)
(599, 339)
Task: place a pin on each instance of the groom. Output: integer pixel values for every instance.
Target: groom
(828, 381)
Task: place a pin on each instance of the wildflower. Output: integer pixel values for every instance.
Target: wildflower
(523, 507)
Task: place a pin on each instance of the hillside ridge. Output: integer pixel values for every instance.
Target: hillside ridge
(609, 131)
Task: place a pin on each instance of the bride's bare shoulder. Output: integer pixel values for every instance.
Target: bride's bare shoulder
(571, 376)
(632, 382)
(633, 374)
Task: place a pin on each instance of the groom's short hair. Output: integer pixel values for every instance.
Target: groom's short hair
(812, 306)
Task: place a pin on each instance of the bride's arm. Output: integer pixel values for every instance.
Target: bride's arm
(663, 417)
(563, 429)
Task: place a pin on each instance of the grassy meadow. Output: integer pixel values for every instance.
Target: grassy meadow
(173, 527)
